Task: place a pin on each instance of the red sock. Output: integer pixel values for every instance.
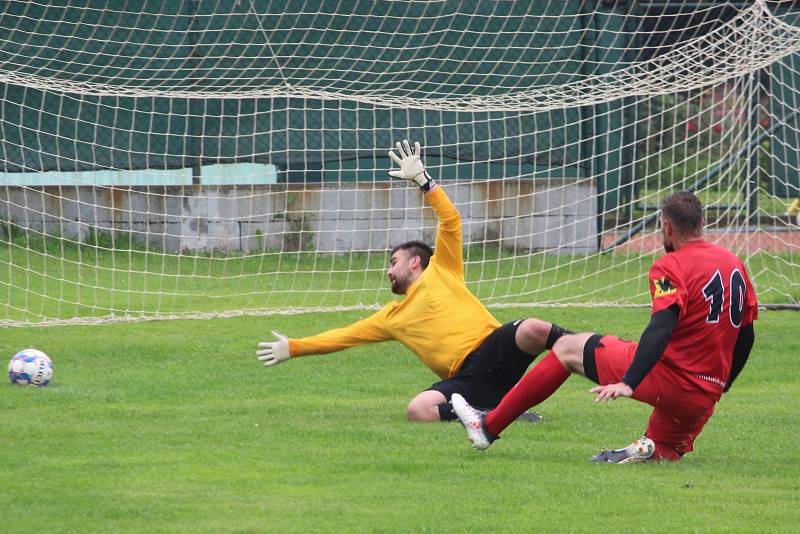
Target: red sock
(536, 386)
(663, 452)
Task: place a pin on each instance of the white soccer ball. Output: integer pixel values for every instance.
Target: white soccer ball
(30, 367)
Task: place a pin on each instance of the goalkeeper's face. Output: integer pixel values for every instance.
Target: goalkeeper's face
(403, 271)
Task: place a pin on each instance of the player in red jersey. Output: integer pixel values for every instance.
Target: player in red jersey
(697, 342)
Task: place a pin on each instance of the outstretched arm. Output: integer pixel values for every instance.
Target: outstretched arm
(448, 249)
(368, 330)
(651, 346)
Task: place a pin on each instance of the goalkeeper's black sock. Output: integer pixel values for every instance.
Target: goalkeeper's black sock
(446, 412)
(555, 333)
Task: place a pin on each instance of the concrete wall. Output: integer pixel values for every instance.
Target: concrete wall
(556, 215)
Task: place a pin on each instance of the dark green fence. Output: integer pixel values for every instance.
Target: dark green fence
(186, 46)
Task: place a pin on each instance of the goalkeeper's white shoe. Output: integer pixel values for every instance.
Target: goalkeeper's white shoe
(639, 451)
(474, 421)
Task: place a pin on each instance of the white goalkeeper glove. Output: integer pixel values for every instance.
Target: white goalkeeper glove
(411, 167)
(274, 352)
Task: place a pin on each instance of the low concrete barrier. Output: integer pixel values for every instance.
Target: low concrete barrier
(554, 215)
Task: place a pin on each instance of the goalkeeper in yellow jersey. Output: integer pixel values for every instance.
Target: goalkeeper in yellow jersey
(439, 320)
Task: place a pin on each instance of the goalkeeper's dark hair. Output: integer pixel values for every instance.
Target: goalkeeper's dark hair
(416, 248)
(685, 211)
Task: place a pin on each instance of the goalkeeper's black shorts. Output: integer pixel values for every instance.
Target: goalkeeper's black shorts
(489, 371)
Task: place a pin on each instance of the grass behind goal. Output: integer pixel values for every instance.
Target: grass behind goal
(52, 279)
(173, 426)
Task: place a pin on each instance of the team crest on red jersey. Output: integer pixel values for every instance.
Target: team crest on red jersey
(663, 287)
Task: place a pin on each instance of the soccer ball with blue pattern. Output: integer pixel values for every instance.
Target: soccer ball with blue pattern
(30, 367)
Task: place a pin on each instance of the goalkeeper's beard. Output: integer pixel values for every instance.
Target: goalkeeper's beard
(398, 287)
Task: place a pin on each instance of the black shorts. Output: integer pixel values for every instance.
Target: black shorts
(489, 371)
(589, 362)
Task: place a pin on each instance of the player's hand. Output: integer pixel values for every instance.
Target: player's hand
(611, 391)
(274, 352)
(411, 167)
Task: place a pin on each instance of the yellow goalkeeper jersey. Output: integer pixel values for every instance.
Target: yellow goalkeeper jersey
(439, 320)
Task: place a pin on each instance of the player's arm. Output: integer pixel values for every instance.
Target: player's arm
(747, 336)
(651, 346)
(744, 343)
(668, 296)
(368, 330)
(448, 238)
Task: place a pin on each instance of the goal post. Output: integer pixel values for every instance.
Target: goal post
(196, 159)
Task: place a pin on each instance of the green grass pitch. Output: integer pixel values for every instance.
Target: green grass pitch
(173, 426)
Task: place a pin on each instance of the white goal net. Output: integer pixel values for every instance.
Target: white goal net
(197, 159)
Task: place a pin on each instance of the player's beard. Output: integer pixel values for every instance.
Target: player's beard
(399, 287)
(669, 246)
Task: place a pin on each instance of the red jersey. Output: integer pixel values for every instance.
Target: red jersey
(716, 299)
